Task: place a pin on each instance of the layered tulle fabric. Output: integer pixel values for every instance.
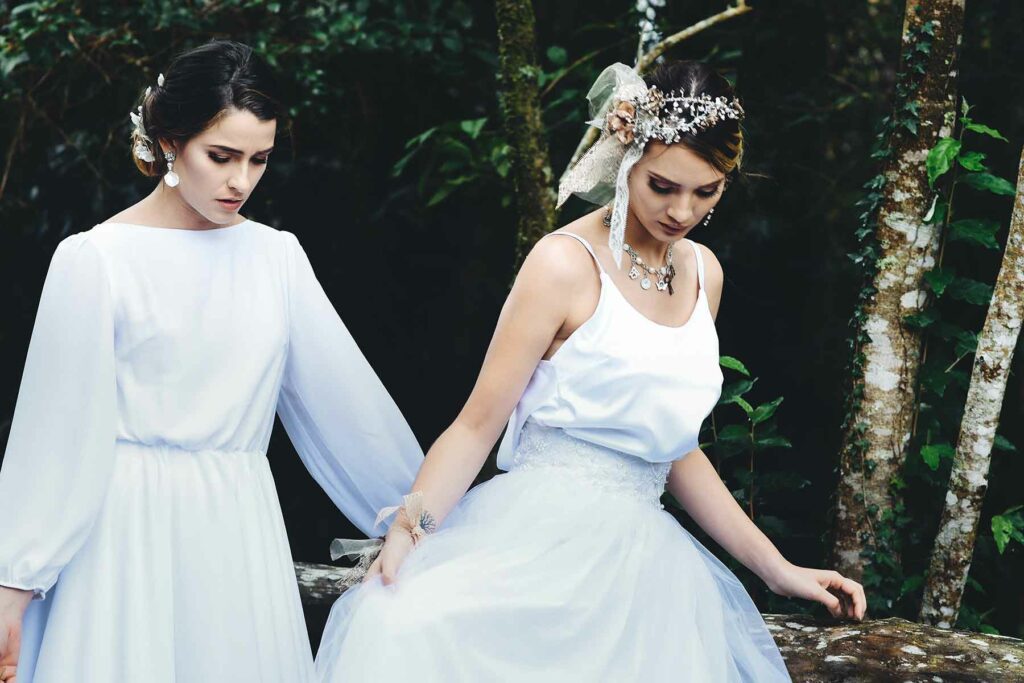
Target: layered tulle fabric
(564, 569)
(135, 495)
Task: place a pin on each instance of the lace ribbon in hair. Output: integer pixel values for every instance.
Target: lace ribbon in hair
(602, 174)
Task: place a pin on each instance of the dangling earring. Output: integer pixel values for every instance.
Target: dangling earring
(171, 178)
(707, 219)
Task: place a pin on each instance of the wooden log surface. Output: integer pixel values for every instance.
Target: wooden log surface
(830, 651)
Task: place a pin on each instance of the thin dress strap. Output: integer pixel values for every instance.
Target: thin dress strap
(700, 263)
(582, 241)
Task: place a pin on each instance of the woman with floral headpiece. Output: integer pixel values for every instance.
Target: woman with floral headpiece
(136, 501)
(566, 568)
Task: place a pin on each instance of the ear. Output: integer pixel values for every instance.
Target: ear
(168, 146)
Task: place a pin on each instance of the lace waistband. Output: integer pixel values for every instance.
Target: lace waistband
(591, 464)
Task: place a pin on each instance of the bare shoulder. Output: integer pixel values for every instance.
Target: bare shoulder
(556, 262)
(712, 266)
(713, 278)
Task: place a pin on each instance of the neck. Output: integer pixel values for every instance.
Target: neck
(172, 210)
(654, 252)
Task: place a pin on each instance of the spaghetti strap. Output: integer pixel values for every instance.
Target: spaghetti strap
(700, 263)
(582, 241)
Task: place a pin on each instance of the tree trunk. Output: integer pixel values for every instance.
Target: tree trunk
(519, 97)
(883, 398)
(954, 543)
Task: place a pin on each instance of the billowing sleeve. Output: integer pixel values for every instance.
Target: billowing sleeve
(345, 426)
(60, 453)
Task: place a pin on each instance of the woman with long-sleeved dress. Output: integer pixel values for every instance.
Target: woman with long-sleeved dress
(137, 505)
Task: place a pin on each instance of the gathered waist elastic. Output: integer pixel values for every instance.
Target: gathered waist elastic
(139, 446)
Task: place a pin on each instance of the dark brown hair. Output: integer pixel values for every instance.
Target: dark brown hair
(199, 87)
(721, 145)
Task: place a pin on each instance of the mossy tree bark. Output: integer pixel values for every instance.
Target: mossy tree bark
(519, 97)
(887, 354)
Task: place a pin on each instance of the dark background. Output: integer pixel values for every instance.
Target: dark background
(420, 286)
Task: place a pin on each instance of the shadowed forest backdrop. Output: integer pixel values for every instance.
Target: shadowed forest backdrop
(396, 178)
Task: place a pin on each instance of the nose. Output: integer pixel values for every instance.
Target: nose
(239, 181)
(681, 210)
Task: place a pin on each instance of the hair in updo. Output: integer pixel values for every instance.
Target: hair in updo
(721, 145)
(200, 86)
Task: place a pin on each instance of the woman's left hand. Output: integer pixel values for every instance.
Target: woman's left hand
(842, 596)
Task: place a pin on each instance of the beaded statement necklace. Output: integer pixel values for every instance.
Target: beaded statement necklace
(664, 274)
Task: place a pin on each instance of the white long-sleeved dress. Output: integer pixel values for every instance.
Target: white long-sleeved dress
(136, 499)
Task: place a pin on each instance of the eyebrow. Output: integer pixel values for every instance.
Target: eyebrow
(666, 180)
(232, 150)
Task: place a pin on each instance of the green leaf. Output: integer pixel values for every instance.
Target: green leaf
(765, 411)
(940, 158)
(975, 231)
(971, 291)
(734, 390)
(921, 320)
(984, 130)
(472, 127)
(966, 342)
(938, 279)
(557, 55)
(972, 161)
(933, 452)
(735, 433)
(747, 408)
(773, 442)
(1003, 444)
(733, 364)
(1007, 527)
(10, 63)
(911, 583)
(988, 183)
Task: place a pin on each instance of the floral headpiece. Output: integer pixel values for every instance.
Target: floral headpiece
(143, 142)
(629, 115)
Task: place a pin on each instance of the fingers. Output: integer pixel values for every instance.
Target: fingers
(830, 602)
(850, 593)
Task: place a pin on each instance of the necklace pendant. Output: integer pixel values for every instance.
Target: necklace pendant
(662, 285)
(645, 283)
(634, 273)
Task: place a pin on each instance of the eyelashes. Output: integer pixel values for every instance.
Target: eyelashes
(662, 189)
(219, 159)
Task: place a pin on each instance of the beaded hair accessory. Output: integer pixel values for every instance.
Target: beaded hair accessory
(143, 143)
(630, 114)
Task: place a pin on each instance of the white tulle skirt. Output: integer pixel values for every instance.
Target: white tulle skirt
(564, 569)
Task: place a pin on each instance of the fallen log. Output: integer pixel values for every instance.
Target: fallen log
(830, 651)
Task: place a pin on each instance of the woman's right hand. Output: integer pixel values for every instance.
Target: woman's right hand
(397, 544)
(13, 602)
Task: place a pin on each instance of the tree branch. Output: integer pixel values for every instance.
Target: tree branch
(741, 7)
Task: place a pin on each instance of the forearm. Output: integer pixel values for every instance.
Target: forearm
(698, 488)
(450, 467)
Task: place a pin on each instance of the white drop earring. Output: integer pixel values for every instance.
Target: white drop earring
(171, 178)
(707, 218)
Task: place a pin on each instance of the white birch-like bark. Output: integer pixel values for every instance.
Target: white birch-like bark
(968, 481)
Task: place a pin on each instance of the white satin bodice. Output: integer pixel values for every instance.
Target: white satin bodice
(625, 382)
